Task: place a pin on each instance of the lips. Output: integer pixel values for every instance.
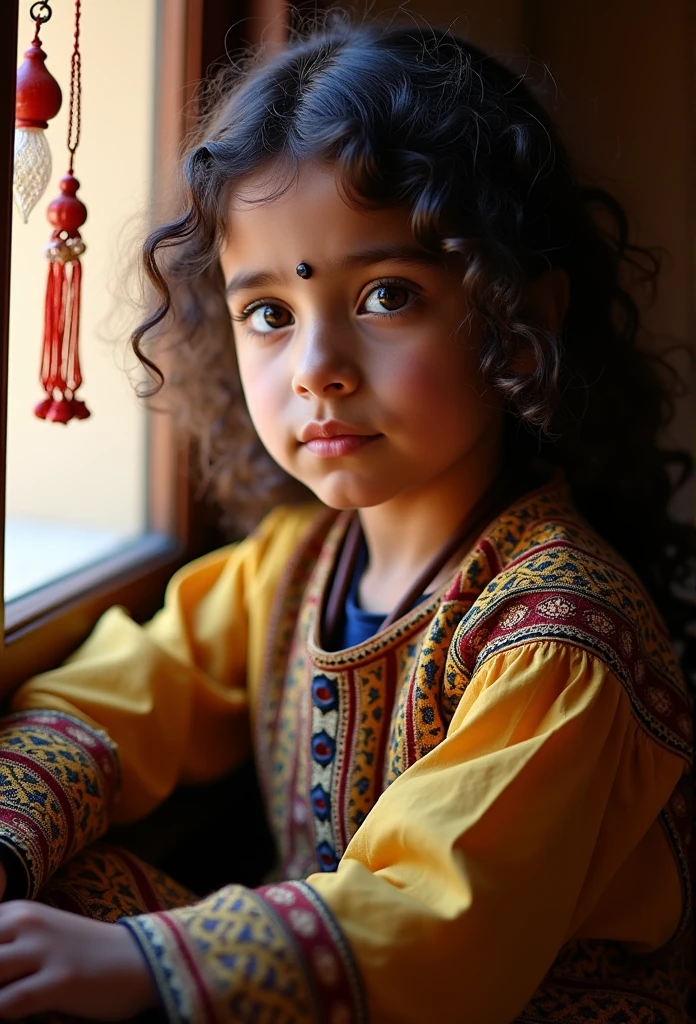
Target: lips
(332, 438)
(329, 429)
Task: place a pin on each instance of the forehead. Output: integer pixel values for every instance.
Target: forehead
(277, 217)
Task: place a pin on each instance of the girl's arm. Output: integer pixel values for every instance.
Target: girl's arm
(470, 873)
(138, 709)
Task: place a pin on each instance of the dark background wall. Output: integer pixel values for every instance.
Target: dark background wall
(619, 80)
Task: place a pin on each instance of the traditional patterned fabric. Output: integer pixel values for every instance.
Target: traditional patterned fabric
(536, 574)
(600, 981)
(328, 718)
(108, 883)
(273, 954)
(502, 770)
(58, 781)
(346, 724)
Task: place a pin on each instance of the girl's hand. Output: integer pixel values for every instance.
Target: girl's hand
(51, 960)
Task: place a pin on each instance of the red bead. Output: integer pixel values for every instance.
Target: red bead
(60, 411)
(38, 97)
(79, 409)
(41, 410)
(66, 212)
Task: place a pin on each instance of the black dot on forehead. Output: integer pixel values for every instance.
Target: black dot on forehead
(303, 270)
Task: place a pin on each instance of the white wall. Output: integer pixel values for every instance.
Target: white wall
(90, 472)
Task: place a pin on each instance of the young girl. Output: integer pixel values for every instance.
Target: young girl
(465, 711)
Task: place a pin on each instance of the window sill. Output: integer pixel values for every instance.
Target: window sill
(39, 553)
(44, 627)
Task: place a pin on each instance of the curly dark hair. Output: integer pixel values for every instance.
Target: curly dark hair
(428, 121)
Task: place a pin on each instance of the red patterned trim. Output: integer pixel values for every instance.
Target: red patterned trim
(148, 896)
(562, 544)
(95, 743)
(410, 746)
(283, 622)
(191, 966)
(183, 997)
(565, 614)
(57, 788)
(325, 954)
(296, 857)
(272, 954)
(46, 779)
(345, 758)
(491, 554)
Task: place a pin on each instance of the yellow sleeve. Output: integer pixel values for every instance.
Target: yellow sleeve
(458, 890)
(172, 695)
(483, 858)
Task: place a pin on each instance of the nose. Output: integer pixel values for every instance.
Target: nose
(323, 365)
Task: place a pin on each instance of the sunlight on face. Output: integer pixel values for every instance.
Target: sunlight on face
(361, 380)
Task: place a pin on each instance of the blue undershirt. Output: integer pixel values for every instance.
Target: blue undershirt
(358, 625)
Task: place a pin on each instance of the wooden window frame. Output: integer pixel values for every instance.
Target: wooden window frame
(42, 628)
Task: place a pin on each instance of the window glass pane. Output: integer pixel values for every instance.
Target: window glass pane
(77, 492)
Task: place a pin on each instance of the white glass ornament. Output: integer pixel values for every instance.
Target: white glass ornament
(32, 168)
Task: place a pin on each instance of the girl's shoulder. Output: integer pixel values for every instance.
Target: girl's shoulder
(541, 561)
(541, 574)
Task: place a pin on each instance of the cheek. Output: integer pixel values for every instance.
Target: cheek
(260, 387)
(436, 386)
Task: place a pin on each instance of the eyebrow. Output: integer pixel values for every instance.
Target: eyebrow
(413, 255)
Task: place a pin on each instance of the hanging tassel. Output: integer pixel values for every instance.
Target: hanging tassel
(60, 361)
(37, 100)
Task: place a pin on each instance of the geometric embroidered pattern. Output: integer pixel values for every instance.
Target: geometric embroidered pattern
(58, 782)
(594, 982)
(565, 594)
(271, 954)
(336, 728)
(325, 752)
(107, 883)
(334, 980)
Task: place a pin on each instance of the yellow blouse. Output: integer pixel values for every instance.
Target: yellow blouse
(523, 835)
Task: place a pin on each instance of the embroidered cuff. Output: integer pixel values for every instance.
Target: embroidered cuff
(274, 953)
(58, 782)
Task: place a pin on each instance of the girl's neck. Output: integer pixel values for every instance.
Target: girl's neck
(404, 534)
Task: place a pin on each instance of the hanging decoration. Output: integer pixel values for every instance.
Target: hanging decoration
(38, 99)
(60, 363)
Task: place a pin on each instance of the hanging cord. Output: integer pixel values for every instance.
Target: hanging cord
(75, 115)
(40, 13)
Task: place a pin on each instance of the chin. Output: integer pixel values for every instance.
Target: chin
(345, 487)
(343, 497)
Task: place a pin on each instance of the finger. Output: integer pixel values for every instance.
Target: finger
(17, 917)
(36, 993)
(16, 961)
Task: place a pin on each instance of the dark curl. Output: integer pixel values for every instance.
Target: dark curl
(428, 121)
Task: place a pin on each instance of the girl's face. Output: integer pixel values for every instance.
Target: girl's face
(362, 380)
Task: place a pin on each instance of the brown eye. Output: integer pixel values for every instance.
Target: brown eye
(388, 298)
(265, 319)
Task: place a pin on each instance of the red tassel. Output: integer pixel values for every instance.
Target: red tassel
(60, 363)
